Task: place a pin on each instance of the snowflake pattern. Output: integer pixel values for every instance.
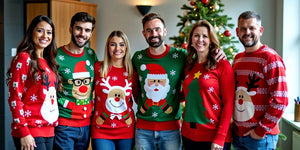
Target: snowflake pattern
(33, 97)
(47, 69)
(140, 56)
(113, 125)
(187, 76)
(212, 121)
(38, 122)
(97, 82)
(213, 67)
(61, 57)
(211, 89)
(206, 76)
(174, 91)
(125, 74)
(92, 67)
(65, 92)
(115, 78)
(172, 72)
(90, 52)
(175, 55)
(140, 78)
(154, 114)
(215, 107)
(27, 113)
(38, 78)
(67, 70)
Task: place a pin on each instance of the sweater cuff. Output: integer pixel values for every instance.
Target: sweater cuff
(219, 139)
(260, 131)
(23, 131)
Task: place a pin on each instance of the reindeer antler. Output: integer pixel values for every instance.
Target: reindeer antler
(46, 81)
(127, 86)
(106, 84)
(252, 82)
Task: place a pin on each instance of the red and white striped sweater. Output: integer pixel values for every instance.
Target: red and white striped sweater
(261, 91)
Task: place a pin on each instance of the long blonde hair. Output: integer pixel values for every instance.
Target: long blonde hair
(192, 53)
(105, 65)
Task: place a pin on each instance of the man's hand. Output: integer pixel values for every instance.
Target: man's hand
(220, 55)
(253, 135)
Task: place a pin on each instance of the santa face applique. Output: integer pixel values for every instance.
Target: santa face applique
(81, 81)
(243, 106)
(49, 108)
(115, 103)
(156, 87)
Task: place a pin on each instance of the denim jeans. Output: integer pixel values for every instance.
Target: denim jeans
(42, 143)
(105, 144)
(189, 144)
(166, 140)
(71, 138)
(244, 143)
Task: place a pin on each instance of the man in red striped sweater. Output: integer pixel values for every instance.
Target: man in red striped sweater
(261, 88)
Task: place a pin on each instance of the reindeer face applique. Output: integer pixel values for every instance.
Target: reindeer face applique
(116, 102)
(243, 106)
(49, 108)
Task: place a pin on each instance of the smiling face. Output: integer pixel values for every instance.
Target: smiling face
(201, 39)
(117, 48)
(154, 32)
(81, 33)
(249, 32)
(42, 35)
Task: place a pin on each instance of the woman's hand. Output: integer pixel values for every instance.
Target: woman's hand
(215, 146)
(27, 143)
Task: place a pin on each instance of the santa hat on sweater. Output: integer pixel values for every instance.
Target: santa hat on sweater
(156, 71)
(80, 70)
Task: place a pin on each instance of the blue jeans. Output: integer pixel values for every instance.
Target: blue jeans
(42, 143)
(166, 140)
(244, 143)
(71, 138)
(189, 144)
(105, 144)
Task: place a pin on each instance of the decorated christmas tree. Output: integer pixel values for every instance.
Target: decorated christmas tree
(210, 10)
(195, 103)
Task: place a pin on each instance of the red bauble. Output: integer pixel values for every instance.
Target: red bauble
(192, 2)
(227, 33)
(184, 45)
(205, 1)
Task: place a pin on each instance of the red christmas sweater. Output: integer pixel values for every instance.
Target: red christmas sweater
(261, 92)
(32, 100)
(209, 99)
(113, 116)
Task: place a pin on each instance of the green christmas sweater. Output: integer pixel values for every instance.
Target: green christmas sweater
(160, 79)
(75, 101)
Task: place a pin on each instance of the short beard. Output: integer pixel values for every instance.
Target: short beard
(255, 41)
(80, 46)
(155, 44)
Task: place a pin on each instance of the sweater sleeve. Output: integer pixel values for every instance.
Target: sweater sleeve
(274, 71)
(18, 73)
(227, 87)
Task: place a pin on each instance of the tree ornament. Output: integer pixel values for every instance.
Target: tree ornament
(227, 33)
(216, 6)
(187, 23)
(184, 45)
(192, 3)
(181, 34)
(185, 13)
(216, 28)
(205, 1)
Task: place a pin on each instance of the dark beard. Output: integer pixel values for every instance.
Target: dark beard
(155, 44)
(251, 44)
(80, 46)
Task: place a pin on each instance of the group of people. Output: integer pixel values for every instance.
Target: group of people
(60, 98)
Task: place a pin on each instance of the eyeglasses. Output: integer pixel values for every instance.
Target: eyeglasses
(79, 82)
